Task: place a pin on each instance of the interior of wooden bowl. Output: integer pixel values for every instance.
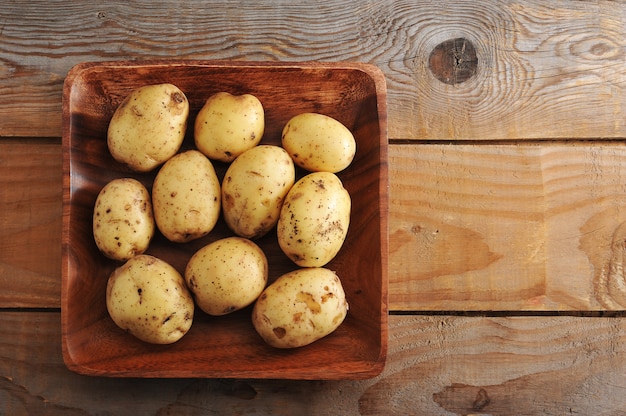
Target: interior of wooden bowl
(225, 346)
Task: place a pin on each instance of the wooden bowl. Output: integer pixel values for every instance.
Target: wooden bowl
(227, 346)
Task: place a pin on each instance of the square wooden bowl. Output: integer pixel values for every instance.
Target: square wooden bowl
(227, 346)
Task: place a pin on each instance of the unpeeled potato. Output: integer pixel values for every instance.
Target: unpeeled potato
(254, 188)
(300, 307)
(148, 127)
(228, 125)
(186, 197)
(227, 275)
(319, 143)
(123, 222)
(314, 219)
(148, 298)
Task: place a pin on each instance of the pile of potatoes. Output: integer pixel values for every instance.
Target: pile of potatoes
(149, 298)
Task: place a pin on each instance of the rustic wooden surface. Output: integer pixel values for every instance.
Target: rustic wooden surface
(507, 289)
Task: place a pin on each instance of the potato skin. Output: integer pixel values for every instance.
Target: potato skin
(186, 197)
(300, 307)
(148, 127)
(228, 125)
(319, 143)
(123, 221)
(254, 188)
(227, 275)
(148, 298)
(314, 219)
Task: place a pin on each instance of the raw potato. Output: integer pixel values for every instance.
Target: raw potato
(300, 307)
(186, 197)
(319, 143)
(314, 219)
(149, 126)
(148, 298)
(227, 275)
(254, 188)
(228, 125)
(123, 222)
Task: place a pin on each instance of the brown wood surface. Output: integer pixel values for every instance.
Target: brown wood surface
(506, 195)
(541, 65)
(438, 365)
(30, 223)
(511, 226)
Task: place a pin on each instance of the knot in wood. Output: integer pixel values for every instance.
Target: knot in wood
(453, 61)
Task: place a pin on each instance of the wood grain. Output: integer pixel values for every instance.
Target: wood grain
(539, 65)
(499, 366)
(543, 231)
(30, 227)
(437, 365)
(508, 227)
(472, 227)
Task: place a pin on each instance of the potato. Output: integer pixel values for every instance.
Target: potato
(123, 222)
(148, 298)
(227, 275)
(186, 197)
(254, 188)
(148, 127)
(314, 219)
(228, 125)
(300, 307)
(319, 143)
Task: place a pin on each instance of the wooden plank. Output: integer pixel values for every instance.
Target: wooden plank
(550, 70)
(437, 364)
(30, 223)
(499, 366)
(472, 227)
(508, 227)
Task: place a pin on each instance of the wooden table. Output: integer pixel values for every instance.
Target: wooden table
(507, 200)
